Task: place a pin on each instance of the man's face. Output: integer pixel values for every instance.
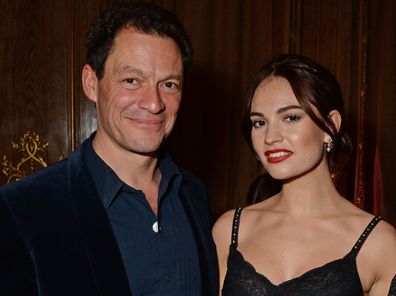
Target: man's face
(139, 95)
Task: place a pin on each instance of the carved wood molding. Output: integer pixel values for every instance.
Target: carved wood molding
(30, 148)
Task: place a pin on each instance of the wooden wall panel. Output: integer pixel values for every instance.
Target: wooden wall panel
(84, 13)
(34, 69)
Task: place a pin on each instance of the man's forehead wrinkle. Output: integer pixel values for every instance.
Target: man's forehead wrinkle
(120, 68)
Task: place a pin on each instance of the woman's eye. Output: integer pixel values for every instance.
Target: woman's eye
(258, 123)
(292, 118)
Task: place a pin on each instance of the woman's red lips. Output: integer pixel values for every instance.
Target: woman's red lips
(277, 155)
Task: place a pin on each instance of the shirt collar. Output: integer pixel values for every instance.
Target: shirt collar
(171, 176)
(108, 184)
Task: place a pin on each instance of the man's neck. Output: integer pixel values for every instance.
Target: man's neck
(136, 170)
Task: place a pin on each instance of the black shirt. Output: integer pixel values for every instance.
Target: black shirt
(159, 252)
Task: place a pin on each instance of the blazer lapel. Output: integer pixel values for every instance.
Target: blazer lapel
(100, 243)
(205, 245)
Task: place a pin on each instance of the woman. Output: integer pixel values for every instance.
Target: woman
(307, 239)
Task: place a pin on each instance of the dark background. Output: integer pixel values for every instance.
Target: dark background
(42, 53)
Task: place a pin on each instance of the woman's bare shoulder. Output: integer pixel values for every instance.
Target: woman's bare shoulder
(379, 254)
(221, 230)
(384, 240)
(383, 235)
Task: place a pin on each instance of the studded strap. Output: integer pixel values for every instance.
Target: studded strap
(365, 234)
(235, 227)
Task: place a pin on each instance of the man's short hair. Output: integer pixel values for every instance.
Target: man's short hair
(143, 17)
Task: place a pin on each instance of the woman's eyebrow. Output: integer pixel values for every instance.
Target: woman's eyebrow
(279, 111)
(287, 108)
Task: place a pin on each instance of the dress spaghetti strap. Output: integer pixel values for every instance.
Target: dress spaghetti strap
(356, 248)
(235, 227)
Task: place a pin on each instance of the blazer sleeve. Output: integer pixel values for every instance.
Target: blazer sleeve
(17, 275)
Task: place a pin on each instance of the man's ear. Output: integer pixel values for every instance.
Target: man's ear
(90, 83)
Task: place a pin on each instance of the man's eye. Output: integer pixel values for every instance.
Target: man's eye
(130, 80)
(171, 86)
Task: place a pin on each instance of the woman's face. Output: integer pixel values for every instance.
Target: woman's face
(286, 140)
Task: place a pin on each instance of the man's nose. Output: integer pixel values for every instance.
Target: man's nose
(151, 100)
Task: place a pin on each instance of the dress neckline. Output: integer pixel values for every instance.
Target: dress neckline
(349, 256)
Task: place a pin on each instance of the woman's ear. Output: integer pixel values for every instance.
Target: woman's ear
(335, 117)
(90, 83)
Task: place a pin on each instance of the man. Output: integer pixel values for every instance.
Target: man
(118, 217)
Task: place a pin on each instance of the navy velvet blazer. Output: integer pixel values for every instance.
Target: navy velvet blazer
(56, 238)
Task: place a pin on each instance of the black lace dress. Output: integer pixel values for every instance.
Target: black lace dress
(392, 291)
(336, 278)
